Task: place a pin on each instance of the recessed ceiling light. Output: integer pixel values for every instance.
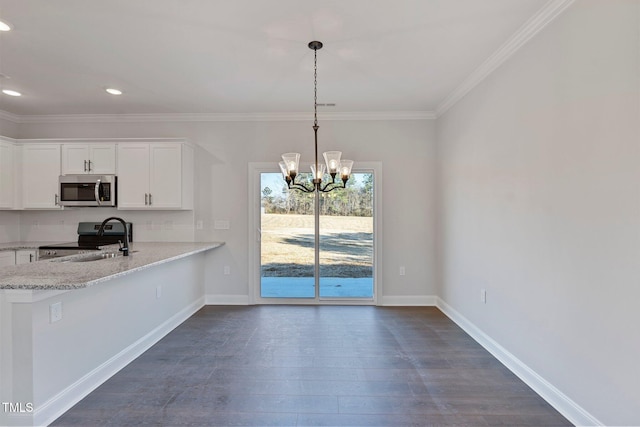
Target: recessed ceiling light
(11, 92)
(5, 26)
(113, 91)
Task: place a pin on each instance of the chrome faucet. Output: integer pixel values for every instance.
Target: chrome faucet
(125, 247)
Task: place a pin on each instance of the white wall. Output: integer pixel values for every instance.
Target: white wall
(406, 149)
(9, 226)
(539, 204)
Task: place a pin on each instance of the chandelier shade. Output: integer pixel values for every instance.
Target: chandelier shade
(334, 166)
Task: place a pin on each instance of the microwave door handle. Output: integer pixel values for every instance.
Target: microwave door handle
(97, 192)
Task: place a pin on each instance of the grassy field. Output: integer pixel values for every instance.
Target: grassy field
(346, 246)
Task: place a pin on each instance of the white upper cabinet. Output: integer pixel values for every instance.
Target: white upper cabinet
(95, 159)
(152, 174)
(40, 171)
(7, 175)
(155, 176)
(133, 176)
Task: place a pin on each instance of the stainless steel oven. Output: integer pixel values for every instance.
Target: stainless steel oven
(88, 190)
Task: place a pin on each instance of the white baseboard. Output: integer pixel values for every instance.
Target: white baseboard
(561, 402)
(63, 401)
(226, 299)
(405, 300)
(408, 300)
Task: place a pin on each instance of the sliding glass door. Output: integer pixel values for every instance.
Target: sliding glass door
(346, 240)
(287, 258)
(316, 247)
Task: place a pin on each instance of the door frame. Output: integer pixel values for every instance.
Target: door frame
(255, 170)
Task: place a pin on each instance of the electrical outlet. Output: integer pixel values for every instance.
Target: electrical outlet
(221, 224)
(483, 296)
(55, 312)
(402, 270)
(227, 270)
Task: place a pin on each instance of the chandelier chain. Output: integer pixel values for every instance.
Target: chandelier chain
(315, 87)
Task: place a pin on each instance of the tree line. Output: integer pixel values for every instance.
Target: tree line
(355, 200)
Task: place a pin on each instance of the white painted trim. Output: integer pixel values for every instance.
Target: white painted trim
(408, 300)
(10, 117)
(533, 26)
(217, 117)
(219, 299)
(63, 401)
(253, 222)
(561, 402)
(162, 140)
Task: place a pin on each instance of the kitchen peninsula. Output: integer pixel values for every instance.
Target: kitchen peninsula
(68, 324)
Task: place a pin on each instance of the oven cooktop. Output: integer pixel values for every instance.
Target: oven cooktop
(88, 240)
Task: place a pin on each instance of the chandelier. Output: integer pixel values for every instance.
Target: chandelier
(333, 164)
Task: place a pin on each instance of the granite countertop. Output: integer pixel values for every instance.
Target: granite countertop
(63, 274)
(12, 246)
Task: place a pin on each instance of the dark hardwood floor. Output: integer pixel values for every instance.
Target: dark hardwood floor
(315, 365)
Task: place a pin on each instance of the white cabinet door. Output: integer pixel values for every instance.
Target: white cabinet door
(95, 159)
(75, 159)
(25, 256)
(155, 176)
(7, 258)
(165, 181)
(133, 176)
(40, 171)
(102, 158)
(7, 176)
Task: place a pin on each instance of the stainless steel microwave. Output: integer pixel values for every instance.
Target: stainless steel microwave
(88, 190)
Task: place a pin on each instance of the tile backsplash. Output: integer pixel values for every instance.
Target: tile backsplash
(61, 226)
(9, 226)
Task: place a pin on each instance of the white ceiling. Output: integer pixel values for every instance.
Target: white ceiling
(246, 56)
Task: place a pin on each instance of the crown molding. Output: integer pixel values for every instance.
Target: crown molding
(533, 26)
(216, 117)
(10, 117)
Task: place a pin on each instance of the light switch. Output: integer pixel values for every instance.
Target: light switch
(55, 312)
(221, 224)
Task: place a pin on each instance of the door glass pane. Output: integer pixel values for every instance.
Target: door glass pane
(287, 239)
(346, 240)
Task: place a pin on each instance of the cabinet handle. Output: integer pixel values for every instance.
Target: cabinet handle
(149, 199)
(55, 200)
(89, 165)
(146, 199)
(85, 165)
(30, 257)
